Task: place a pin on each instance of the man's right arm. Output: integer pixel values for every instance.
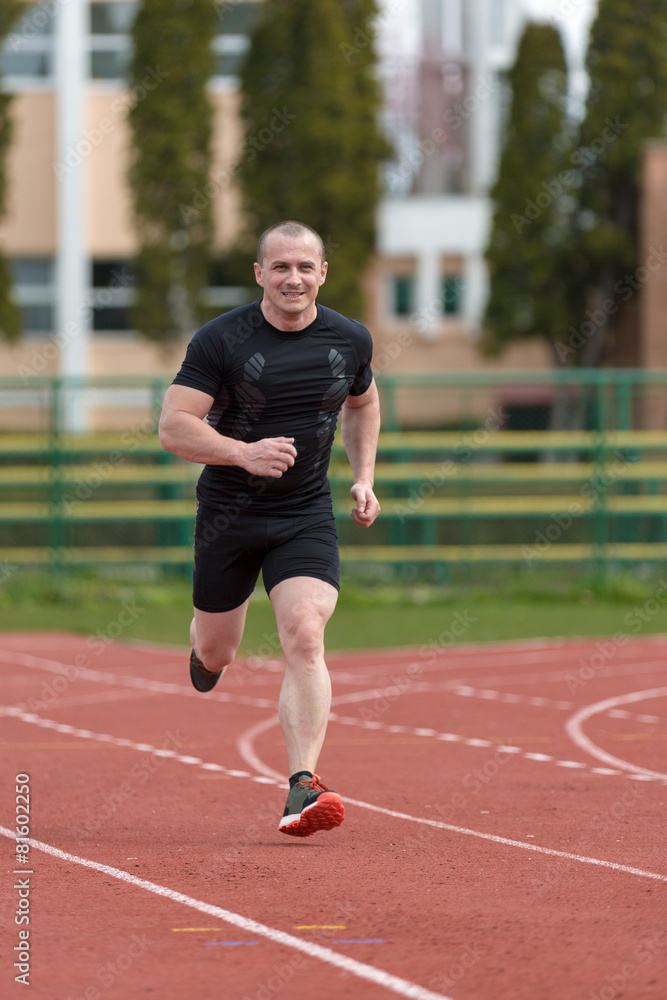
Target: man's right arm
(184, 431)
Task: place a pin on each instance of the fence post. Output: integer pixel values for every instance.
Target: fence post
(56, 520)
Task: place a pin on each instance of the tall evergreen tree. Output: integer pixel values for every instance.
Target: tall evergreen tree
(626, 106)
(10, 314)
(171, 121)
(530, 238)
(312, 150)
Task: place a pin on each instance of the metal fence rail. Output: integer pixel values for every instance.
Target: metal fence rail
(478, 494)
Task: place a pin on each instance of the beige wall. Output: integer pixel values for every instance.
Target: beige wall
(109, 210)
(653, 297)
(29, 228)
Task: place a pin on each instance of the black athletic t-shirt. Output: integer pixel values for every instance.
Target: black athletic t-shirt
(270, 383)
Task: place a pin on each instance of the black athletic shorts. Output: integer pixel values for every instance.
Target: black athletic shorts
(231, 550)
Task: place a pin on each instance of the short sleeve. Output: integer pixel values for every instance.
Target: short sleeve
(364, 373)
(203, 366)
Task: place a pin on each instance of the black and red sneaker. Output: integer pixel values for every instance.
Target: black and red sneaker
(202, 678)
(310, 807)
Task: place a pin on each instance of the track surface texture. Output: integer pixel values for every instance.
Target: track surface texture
(504, 835)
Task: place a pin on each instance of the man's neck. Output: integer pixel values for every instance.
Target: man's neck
(284, 323)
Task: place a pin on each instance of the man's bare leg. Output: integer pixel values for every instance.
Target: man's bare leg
(215, 637)
(303, 606)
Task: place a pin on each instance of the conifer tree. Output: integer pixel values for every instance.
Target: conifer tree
(530, 242)
(10, 314)
(171, 121)
(626, 106)
(312, 142)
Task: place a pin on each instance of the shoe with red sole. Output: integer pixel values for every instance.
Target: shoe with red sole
(310, 807)
(202, 678)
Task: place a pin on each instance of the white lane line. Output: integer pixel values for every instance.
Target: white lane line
(350, 720)
(465, 691)
(85, 699)
(247, 750)
(510, 843)
(86, 734)
(554, 676)
(268, 776)
(507, 654)
(574, 729)
(72, 673)
(402, 987)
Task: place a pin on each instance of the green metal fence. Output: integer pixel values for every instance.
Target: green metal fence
(476, 485)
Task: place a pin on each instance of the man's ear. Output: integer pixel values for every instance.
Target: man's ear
(323, 274)
(258, 274)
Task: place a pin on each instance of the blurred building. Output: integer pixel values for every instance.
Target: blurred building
(69, 230)
(430, 279)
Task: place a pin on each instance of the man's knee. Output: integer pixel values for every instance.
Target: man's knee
(214, 653)
(303, 635)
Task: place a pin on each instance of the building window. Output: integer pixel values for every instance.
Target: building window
(232, 42)
(402, 295)
(33, 292)
(27, 53)
(452, 295)
(112, 295)
(110, 42)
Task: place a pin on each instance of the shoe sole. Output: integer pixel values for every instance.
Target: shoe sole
(326, 813)
(201, 679)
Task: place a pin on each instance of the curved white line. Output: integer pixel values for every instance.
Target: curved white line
(573, 728)
(246, 749)
(379, 977)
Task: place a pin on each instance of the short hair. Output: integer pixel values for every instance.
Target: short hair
(289, 228)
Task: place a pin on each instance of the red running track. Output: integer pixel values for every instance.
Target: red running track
(504, 835)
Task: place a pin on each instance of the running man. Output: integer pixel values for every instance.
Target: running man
(257, 401)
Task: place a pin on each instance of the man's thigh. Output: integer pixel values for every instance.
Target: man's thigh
(304, 545)
(228, 557)
(220, 632)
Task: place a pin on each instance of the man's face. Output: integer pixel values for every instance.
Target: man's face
(290, 274)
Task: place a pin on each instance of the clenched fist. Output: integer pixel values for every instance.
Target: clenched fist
(269, 456)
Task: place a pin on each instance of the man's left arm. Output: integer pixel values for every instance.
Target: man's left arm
(360, 427)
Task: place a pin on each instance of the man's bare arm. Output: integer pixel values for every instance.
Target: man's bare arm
(360, 427)
(184, 431)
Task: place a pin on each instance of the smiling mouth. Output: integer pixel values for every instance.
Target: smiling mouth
(292, 295)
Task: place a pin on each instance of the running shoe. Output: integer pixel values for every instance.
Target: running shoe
(310, 807)
(202, 678)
